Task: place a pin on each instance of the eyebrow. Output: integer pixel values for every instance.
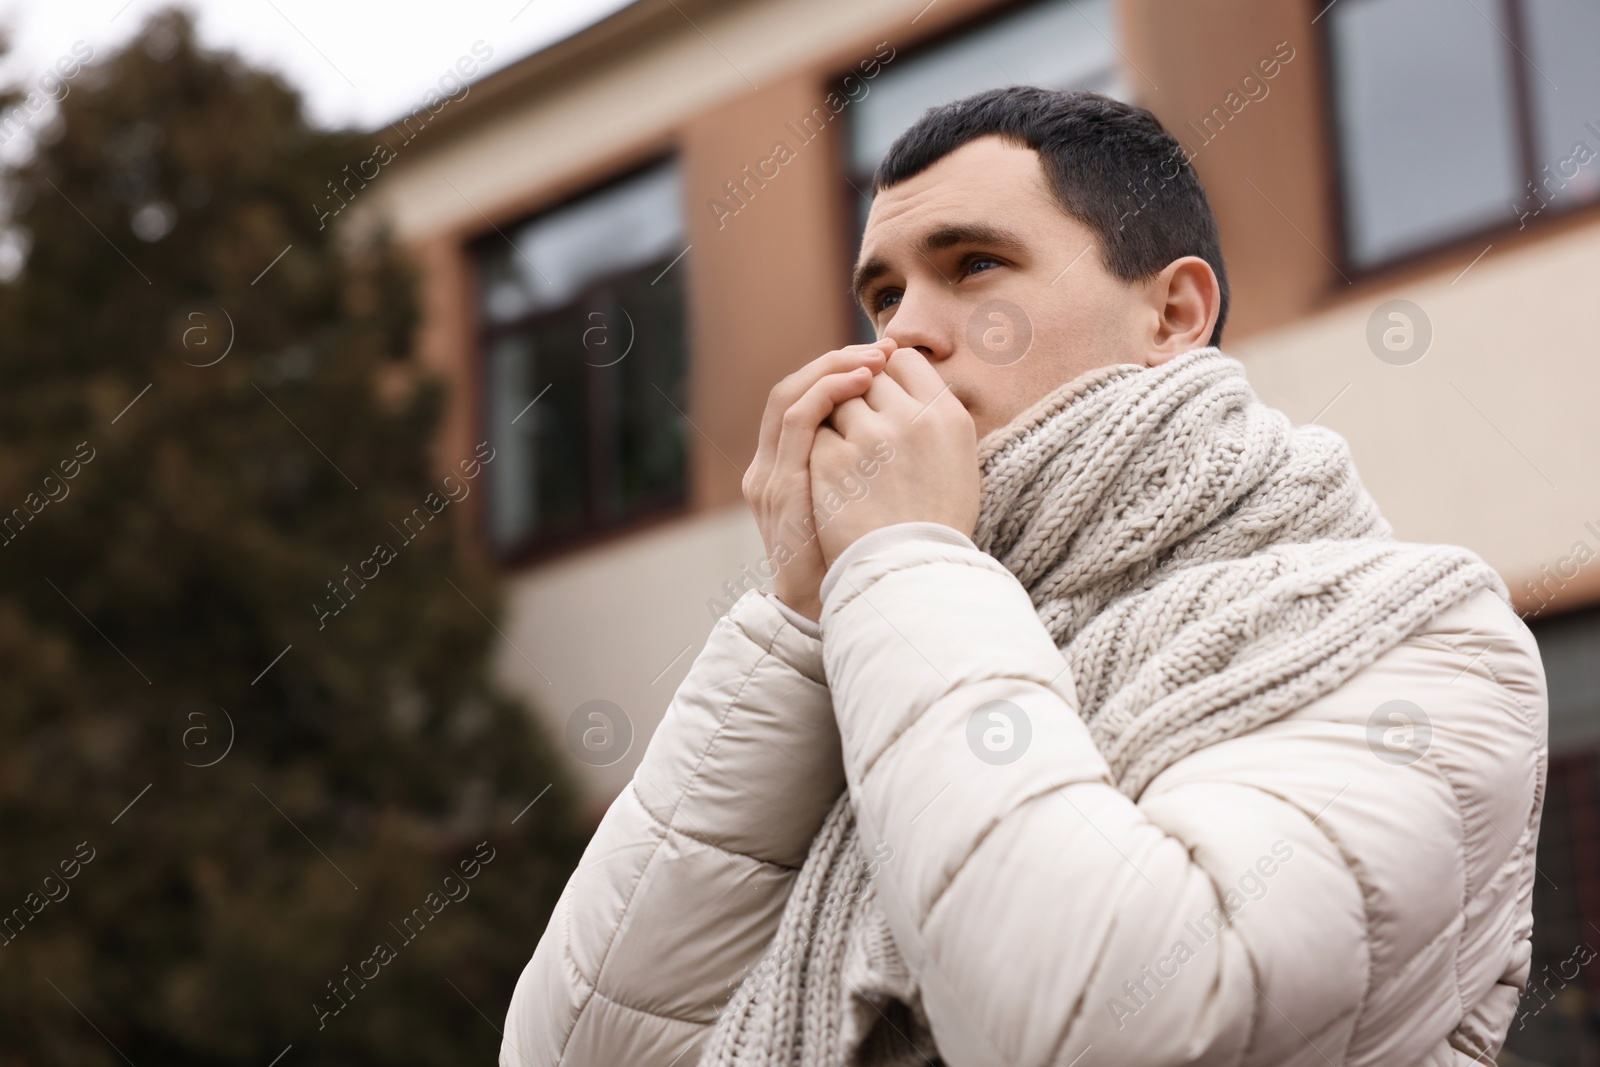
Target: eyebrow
(946, 236)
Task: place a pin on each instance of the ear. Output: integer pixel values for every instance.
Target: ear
(1186, 300)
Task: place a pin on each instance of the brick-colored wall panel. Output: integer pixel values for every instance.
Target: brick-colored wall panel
(1265, 166)
(767, 290)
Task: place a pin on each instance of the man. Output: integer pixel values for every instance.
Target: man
(1102, 722)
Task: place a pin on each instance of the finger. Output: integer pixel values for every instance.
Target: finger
(787, 392)
(850, 415)
(912, 371)
(873, 354)
(889, 393)
(885, 394)
(800, 424)
(783, 395)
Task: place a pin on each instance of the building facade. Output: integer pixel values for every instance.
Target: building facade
(627, 238)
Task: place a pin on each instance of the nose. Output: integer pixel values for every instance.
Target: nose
(925, 319)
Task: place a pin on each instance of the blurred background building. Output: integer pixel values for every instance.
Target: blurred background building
(621, 241)
(628, 237)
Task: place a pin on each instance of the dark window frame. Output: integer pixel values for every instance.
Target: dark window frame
(539, 547)
(1516, 46)
(1566, 889)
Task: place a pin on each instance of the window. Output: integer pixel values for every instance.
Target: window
(584, 358)
(1060, 44)
(1562, 37)
(1455, 118)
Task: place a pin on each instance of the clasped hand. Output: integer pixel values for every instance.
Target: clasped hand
(871, 430)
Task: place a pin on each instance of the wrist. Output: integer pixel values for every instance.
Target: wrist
(811, 628)
(810, 607)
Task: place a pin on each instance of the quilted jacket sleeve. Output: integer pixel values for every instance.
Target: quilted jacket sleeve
(1286, 897)
(683, 883)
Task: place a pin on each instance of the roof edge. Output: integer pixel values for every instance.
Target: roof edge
(615, 35)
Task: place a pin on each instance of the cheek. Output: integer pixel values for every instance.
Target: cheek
(1075, 333)
(1103, 323)
(1068, 332)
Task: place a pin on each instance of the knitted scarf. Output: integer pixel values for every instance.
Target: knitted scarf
(1204, 567)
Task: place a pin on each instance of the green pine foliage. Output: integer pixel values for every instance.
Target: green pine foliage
(156, 558)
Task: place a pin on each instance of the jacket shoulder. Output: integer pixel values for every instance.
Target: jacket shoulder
(1421, 777)
(1474, 664)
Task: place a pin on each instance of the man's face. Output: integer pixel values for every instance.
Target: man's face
(973, 263)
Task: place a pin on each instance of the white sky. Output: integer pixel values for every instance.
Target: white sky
(359, 62)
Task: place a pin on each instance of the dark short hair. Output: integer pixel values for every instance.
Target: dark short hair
(1112, 166)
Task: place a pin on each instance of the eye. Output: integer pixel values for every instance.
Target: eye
(882, 300)
(968, 262)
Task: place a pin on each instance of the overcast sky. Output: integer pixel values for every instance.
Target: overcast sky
(362, 62)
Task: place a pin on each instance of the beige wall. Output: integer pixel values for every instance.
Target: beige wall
(1491, 439)
(622, 622)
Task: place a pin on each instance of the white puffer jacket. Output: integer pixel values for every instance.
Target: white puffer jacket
(1380, 909)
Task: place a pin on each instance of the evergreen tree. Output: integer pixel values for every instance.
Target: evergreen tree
(236, 594)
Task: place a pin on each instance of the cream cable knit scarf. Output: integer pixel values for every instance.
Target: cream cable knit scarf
(1204, 567)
